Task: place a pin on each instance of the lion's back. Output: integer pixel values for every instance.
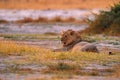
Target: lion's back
(85, 47)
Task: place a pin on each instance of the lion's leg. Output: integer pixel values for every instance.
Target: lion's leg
(89, 48)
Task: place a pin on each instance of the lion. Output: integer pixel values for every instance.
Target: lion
(72, 41)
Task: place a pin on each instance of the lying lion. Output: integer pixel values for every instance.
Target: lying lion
(72, 41)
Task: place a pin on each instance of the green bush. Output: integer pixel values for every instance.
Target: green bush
(107, 22)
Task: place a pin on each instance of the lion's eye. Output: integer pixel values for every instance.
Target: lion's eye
(71, 33)
(65, 36)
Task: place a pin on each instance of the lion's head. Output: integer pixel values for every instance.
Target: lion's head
(69, 36)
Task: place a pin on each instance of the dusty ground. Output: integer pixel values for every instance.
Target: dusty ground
(30, 66)
(18, 67)
(56, 4)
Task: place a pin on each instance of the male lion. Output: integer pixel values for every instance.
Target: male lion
(72, 41)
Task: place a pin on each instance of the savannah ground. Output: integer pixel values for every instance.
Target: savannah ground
(29, 57)
(25, 47)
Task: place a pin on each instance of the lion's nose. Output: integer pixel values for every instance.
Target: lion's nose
(64, 42)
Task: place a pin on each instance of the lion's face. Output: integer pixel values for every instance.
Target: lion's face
(69, 36)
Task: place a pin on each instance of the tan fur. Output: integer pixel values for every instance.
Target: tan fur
(72, 41)
(69, 36)
(85, 47)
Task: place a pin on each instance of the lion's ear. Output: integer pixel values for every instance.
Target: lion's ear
(62, 32)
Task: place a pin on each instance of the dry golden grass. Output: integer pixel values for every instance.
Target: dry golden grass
(56, 4)
(117, 71)
(46, 20)
(28, 19)
(56, 62)
(12, 48)
(45, 36)
(52, 20)
(3, 21)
